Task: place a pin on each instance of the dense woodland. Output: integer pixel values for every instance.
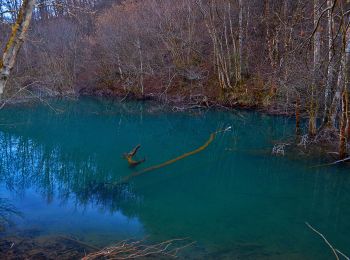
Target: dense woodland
(286, 56)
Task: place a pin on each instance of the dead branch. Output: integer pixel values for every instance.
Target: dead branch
(334, 250)
(342, 254)
(136, 249)
(56, 110)
(333, 163)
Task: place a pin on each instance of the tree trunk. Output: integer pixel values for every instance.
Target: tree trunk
(297, 116)
(240, 40)
(246, 55)
(285, 40)
(343, 123)
(316, 67)
(1, 14)
(330, 71)
(15, 42)
(348, 120)
(333, 112)
(342, 81)
(138, 45)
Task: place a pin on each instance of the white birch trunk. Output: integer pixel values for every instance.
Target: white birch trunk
(240, 40)
(337, 95)
(316, 68)
(342, 77)
(138, 44)
(15, 42)
(317, 44)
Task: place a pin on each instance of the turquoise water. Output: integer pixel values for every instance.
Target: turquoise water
(234, 198)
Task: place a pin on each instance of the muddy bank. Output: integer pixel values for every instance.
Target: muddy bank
(185, 98)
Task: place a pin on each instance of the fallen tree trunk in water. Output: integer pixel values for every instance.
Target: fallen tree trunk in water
(152, 168)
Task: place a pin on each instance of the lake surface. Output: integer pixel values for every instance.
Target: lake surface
(234, 198)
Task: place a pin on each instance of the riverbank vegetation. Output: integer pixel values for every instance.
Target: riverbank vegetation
(289, 57)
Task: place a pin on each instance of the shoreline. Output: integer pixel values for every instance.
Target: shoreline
(323, 147)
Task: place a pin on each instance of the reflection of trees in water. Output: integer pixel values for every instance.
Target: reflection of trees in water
(58, 173)
(7, 212)
(231, 182)
(46, 152)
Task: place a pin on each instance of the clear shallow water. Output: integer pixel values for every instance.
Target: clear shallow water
(234, 198)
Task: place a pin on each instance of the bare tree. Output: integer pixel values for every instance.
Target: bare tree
(315, 71)
(330, 70)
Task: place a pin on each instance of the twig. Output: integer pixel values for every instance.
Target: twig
(132, 250)
(333, 163)
(325, 240)
(14, 95)
(345, 256)
(127, 94)
(56, 110)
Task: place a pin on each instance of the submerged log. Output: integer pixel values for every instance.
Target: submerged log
(129, 157)
(201, 148)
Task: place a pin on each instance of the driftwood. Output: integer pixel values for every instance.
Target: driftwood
(201, 148)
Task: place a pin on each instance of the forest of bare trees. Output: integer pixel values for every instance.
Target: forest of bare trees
(282, 55)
